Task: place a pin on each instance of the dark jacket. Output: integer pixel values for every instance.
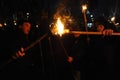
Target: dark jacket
(29, 65)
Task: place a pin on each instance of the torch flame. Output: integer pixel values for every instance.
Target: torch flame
(84, 7)
(60, 27)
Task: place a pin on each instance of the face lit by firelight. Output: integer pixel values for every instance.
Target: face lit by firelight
(26, 28)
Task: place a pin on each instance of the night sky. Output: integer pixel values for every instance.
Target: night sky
(36, 8)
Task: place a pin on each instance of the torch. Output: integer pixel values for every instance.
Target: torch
(113, 19)
(26, 49)
(84, 9)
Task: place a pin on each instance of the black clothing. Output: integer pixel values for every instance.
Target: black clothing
(63, 67)
(28, 66)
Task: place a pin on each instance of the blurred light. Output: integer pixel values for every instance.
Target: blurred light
(113, 18)
(70, 20)
(28, 13)
(91, 16)
(117, 24)
(90, 25)
(15, 23)
(60, 27)
(37, 26)
(1, 25)
(88, 12)
(51, 25)
(84, 7)
(5, 24)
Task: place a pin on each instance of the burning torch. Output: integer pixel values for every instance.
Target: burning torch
(84, 9)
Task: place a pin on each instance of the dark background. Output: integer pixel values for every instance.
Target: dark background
(11, 10)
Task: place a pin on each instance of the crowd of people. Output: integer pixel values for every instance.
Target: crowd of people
(71, 57)
(97, 58)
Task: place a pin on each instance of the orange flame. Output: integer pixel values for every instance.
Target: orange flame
(84, 8)
(60, 27)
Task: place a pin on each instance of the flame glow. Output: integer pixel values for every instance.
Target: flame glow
(60, 27)
(113, 18)
(84, 8)
(62, 21)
